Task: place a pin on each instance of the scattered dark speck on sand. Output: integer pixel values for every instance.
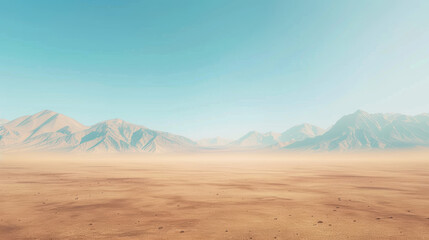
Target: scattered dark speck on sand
(90, 224)
(226, 230)
(354, 220)
(160, 227)
(330, 224)
(275, 218)
(320, 222)
(182, 231)
(378, 218)
(390, 217)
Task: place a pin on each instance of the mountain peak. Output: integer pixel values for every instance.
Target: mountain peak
(252, 133)
(302, 126)
(118, 122)
(301, 132)
(45, 112)
(115, 120)
(360, 112)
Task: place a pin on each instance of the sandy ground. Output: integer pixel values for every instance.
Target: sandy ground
(215, 196)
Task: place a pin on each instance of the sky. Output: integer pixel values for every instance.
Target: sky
(213, 68)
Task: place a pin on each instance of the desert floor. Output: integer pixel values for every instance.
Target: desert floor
(215, 196)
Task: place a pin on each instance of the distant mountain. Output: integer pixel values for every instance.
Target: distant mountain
(119, 136)
(214, 142)
(52, 131)
(301, 132)
(3, 121)
(362, 130)
(256, 140)
(275, 140)
(38, 128)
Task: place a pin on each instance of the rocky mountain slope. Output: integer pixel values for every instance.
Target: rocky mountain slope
(48, 130)
(362, 130)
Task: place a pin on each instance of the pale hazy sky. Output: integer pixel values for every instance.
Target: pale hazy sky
(214, 68)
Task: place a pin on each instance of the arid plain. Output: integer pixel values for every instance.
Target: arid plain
(378, 195)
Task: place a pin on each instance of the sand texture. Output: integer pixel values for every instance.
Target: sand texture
(215, 196)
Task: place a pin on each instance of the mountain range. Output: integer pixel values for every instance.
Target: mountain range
(362, 130)
(214, 142)
(274, 140)
(48, 130)
(51, 131)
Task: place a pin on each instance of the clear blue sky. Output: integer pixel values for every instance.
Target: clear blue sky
(213, 68)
